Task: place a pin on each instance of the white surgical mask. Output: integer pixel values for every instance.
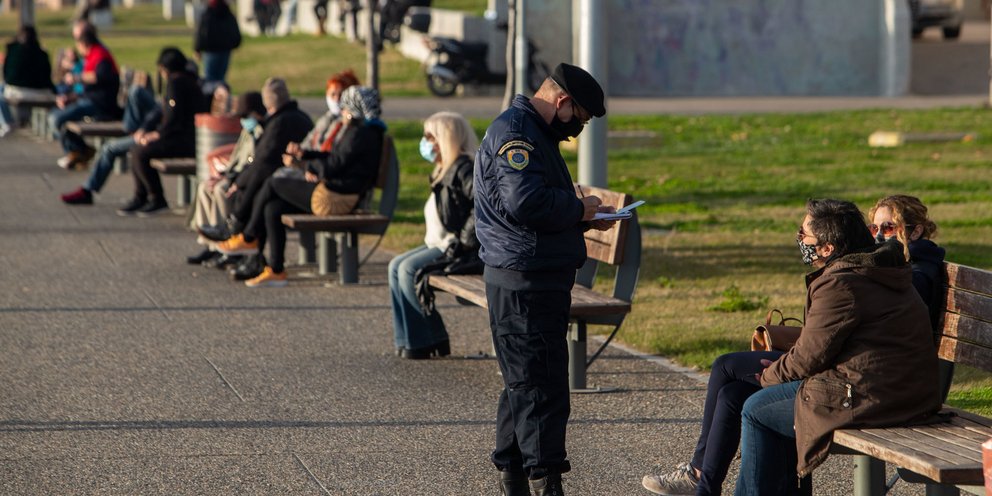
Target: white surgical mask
(333, 106)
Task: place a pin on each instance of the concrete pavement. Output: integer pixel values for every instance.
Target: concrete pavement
(126, 371)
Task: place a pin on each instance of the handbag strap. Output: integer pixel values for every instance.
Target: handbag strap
(782, 319)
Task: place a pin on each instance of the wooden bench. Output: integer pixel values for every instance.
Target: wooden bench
(185, 169)
(99, 132)
(33, 111)
(619, 247)
(348, 227)
(941, 455)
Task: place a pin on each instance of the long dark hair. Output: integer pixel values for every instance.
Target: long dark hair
(29, 35)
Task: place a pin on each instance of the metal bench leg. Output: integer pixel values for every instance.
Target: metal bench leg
(183, 191)
(941, 490)
(348, 273)
(308, 248)
(869, 476)
(120, 164)
(327, 254)
(577, 356)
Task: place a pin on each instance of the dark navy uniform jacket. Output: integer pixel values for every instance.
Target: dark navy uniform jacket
(528, 217)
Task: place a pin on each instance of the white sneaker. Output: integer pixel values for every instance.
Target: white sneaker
(4, 129)
(682, 481)
(66, 161)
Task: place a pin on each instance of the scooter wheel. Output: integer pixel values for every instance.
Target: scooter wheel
(441, 86)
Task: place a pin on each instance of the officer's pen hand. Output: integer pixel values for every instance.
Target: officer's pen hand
(590, 205)
(604, 225)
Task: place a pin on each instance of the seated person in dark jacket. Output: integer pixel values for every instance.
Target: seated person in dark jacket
(173, 137)
(101, 82)
(449, 217)
(27, 74)
(331, 185)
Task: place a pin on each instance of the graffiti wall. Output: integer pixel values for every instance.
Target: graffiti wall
(728, 47)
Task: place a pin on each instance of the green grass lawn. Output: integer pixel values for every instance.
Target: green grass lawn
(725, 196)
(304, 61)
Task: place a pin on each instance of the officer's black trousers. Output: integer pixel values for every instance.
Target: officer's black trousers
(529, 333)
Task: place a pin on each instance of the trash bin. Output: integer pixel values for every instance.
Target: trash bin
(213, 131)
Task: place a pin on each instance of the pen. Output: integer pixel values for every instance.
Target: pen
(580, 190)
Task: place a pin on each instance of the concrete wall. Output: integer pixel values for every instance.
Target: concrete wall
(739, 48)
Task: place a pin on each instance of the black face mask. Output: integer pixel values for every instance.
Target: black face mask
(808, 252)
(565, 130)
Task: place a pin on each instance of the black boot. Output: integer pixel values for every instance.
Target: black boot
(201, 257)
(249, 268)
(513, 483)
(549, 485)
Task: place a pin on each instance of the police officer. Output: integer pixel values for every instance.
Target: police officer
(530, 224)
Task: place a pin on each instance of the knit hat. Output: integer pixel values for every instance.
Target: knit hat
(274, 93)
(362, 102)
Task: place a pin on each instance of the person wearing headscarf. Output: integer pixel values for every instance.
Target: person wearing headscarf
(331, 185)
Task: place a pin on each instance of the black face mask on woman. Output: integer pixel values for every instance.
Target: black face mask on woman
(565, 130)
(808, 252)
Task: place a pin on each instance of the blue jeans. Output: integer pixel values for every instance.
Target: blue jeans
(731, 383)
(109, 154)
(140, 103)
(768, 443)
(412, 329)
(215, 65)
(57, 118)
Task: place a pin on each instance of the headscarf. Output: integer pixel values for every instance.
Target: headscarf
(362, 102)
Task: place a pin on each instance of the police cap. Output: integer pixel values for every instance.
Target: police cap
(581, 86)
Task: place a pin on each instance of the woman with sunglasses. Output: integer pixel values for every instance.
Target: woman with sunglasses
(904, 218)
(732, 378)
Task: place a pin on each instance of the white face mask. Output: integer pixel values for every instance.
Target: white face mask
(333, 106)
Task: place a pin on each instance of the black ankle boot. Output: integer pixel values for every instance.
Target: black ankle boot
(249, 268)
(513, 483)
(441, 349)
(550, 485)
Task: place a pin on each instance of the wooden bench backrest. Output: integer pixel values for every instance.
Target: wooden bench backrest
(966, 333)
(606, 246)
(388, 152)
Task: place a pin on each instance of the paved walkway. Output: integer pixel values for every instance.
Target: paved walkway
(125, 371)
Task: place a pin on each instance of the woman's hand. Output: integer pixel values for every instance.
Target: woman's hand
(231, 190)
(311, 177)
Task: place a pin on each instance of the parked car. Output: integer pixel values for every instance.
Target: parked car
(943, 13)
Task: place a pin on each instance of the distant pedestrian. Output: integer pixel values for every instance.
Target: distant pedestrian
(217, 34)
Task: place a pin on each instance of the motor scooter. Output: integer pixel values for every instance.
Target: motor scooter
(454, 62)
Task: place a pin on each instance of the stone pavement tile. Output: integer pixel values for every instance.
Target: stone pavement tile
(166, 474)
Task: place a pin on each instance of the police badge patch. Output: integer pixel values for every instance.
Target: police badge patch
(518, 158)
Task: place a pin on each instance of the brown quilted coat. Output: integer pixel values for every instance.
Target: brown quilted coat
(866, 354)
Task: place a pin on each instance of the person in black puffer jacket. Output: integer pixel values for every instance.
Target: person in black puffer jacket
(173, 137)
(449, 216)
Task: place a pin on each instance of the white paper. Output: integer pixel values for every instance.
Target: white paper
(612, 216)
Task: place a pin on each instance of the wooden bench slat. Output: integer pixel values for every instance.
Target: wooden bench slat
(585, 302)
(332, 222)
(103, 129)
(178, 166)
(921, 462)
(967, 329)
(966, 353)
(974, 305)
(929, 440)
(969, 278)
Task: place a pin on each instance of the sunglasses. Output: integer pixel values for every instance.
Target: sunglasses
(888, 228)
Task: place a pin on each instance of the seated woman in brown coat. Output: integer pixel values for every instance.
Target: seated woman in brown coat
(865, 358)
(332, 185)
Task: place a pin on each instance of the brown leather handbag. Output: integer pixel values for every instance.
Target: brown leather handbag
(776, 337)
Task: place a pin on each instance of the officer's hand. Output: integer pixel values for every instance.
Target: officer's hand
(590, 205)
(604, 225)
